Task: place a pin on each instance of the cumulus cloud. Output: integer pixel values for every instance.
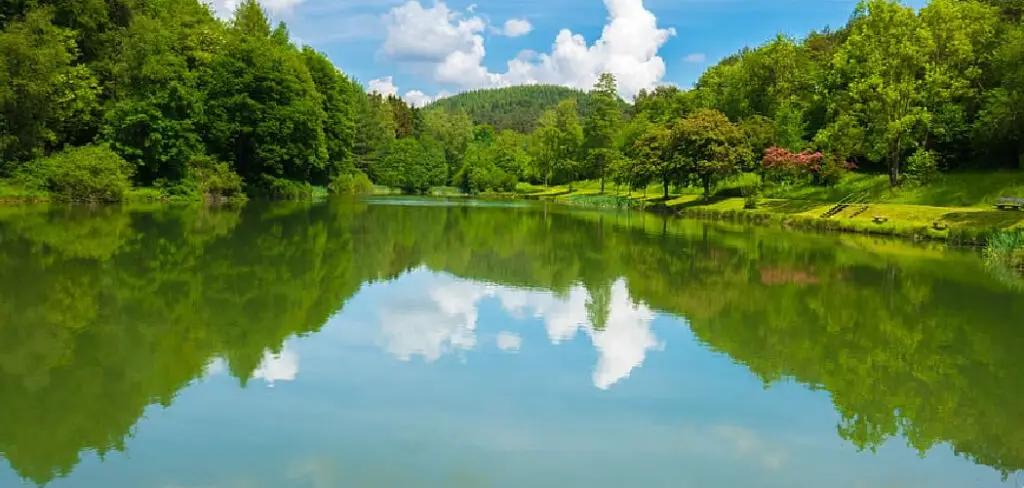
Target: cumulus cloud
(384, 86)
(433, 325)
(225, 9)
(509, 341)
(283, 366)
(517, 27)
(415, 33)
(452, 44)
(417, 98)
(444, 319)
(625, 340)
(695, 58)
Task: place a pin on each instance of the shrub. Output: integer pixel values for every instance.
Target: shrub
(280, 188)
(352, 182)
(91, 173)
(922, 167)
(750, 196)
(215, 179)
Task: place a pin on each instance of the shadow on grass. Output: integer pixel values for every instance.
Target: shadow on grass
(699, 202)
(788, 206)
(992, 218)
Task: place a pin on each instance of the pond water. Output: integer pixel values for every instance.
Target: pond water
(418, 343)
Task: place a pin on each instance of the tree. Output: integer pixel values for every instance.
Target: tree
(654, 151)
(454, 130)
(510, 154)
(375, 130)
(337, 93)
(561, 138)
(264, 113)
(45, 99)
(602, 125)
(883, 65)
(711, 146)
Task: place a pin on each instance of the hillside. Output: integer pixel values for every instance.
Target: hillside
(515, 107)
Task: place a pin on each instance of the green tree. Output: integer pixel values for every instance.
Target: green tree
(711, 146)
(45, 98)
(883, 65)
(337, 93)
(561, 138)
(655, 152)
(602, 126)
(264, 113)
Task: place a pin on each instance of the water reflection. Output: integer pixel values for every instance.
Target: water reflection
(442, 318)
(459, 340)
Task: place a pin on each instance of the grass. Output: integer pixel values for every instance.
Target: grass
(956, 207)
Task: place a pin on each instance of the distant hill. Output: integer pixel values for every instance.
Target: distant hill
(515, 107)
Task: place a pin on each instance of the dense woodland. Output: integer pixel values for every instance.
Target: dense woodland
(516, 107)
(99, 97)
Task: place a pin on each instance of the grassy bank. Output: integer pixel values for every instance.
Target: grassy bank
(957, 207)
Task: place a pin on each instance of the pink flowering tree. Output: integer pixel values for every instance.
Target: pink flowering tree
(782, 165)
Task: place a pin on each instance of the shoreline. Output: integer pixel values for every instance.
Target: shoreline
(951, 230)
(727, 209)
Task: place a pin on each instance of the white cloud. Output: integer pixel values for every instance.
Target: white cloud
(453, 45)
(624, 342)
(215, 367)
(225, 9)
(434, 325)
(509, 341)
(415, 33)
(283, 366)
(417, 98)
(384, 86)
(444, 320)
(695, 58)
(517, 27)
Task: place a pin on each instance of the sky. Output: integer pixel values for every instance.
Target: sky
(420, 50)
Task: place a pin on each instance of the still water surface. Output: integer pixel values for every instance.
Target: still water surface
(403, 343)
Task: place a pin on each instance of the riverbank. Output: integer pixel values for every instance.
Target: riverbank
(959, 209)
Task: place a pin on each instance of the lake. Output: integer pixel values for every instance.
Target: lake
(401, 342)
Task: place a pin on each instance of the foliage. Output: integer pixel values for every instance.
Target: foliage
(711, 147)
(922, 167)
(84, 174)
(560, 140)
(601, 127)
(515, 108)
(215, 179)
(904, 91)
(354, 182)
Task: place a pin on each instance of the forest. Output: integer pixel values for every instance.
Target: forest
(112, 99)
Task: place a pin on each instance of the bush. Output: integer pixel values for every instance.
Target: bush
(922, 167)
(215, 179)
(750, 196)
(353, 182)
(91, 173)
(282, 189)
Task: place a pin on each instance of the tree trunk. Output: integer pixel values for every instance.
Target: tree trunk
(894, 164)
(707, 188)
(602, 182)
(664, 183)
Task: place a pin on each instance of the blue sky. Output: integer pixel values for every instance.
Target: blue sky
(444, 47)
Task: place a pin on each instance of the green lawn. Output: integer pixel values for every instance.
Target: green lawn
(954, 202)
